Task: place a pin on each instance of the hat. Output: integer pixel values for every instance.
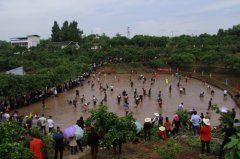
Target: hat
(162, 128)
(147, 120)
(156, 114)
(206, 121)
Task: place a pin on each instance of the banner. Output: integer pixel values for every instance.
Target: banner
(226, 82)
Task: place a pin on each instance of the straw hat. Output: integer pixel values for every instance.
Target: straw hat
(156, 114)
(206, 121)
(162, 128)
(147, 120)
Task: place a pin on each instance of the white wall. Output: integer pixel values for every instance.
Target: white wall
(33, 41)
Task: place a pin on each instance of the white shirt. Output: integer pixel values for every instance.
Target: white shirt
(6, 116)
(180, 106)
(225, 92)
(42, 120)
(50, 123)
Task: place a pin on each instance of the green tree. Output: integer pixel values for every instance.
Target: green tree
(111, 127)
(74, 32)
(210, 58)
(181, 60)
(56, 32)
(13, 143)
(65, 31)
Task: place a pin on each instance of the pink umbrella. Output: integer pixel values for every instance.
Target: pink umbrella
(69, 132)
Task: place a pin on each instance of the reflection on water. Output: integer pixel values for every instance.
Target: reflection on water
(64, 114)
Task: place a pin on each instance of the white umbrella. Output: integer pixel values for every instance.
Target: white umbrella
(139, 127)
(78, 132)
(223, 110)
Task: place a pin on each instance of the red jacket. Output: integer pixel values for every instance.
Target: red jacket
(205, 133)
(163, 135)
(36, 148)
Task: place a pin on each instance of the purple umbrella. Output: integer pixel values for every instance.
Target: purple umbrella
(69, 132)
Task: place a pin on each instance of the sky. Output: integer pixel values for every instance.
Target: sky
(144, 17)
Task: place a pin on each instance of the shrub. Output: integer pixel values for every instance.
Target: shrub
(111, 127)
(233, 147)
(226, 118)
(184, 117)
(169, 150)
(13, 143)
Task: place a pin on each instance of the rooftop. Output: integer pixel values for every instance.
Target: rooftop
(23, 38)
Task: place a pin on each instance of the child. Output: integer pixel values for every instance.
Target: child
(162, 133)
(73, 145)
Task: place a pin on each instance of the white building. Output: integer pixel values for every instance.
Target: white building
(28, 41)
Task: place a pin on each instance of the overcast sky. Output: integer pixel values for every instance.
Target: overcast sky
(151, 17)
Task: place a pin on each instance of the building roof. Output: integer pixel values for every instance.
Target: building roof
(23, 38)
(16, 71)
(65, 43)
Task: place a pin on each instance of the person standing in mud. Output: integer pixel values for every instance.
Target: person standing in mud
(137, 101)
(126, 98)
(210, 104)
(75, 102)
(141, 97)
(119, 98)
(107, 86)
(144, 91)
(144, 80)
(82, 99)
(126, 108)
(131, 83)
(105, 97)
(160, 102)
(77, 93)
(111, 88)
(124, 92)
(92, 85)
(135, 92)
(94, 101)
(159, 94)
(149, 92)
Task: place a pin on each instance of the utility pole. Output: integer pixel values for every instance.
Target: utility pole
(128, 32)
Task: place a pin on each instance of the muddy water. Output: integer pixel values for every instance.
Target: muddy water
(65, 114)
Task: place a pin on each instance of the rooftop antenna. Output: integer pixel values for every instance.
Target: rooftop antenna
(128, 32)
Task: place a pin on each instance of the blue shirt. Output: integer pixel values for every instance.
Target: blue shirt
(196, 120)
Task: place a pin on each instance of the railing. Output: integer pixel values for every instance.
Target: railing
(219, 84)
